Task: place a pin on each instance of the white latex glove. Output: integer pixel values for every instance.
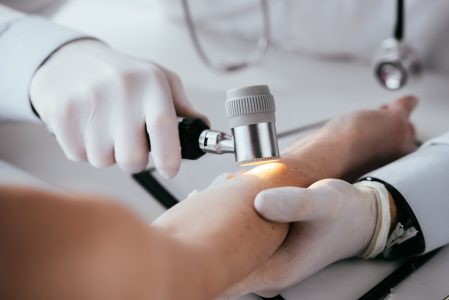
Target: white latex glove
(333, 220)
(100, 104)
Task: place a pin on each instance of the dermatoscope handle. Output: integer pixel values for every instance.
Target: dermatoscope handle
(189, 133)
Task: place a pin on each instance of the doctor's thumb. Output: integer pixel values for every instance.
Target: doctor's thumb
(287, 204)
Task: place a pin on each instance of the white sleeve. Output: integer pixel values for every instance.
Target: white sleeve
(25, 43)
(7, 15)
(422, 178)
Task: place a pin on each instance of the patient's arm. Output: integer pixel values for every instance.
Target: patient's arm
(221, 223)
(56, 246)
(224, 229)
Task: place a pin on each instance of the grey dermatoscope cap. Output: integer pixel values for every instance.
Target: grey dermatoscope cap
(251, 116)
(250, 105)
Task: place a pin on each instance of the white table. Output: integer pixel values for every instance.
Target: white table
(306, 90)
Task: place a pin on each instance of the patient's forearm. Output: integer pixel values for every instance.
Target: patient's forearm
(220, 223)
(56, 246)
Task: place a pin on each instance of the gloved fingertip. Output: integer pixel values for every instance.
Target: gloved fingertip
(284, 205)
(133, 168)
(165, 148)
(168, 173)
(267, 206)
(78, 157)
(129, 163)
(259, 203)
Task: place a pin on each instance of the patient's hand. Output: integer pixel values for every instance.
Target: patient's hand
(362, 140)
(373, 137)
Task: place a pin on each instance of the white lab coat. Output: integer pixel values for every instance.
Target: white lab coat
(25, 43)
(335, 28)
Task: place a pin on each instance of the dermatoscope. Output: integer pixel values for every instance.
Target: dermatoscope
(250, 112)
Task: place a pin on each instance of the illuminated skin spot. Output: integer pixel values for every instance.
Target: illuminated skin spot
(267, 170)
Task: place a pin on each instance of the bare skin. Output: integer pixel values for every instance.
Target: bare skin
(61, 247)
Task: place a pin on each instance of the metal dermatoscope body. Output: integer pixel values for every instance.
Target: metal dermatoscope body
(251, 117)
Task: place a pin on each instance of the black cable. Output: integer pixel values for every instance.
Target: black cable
(383, 288)
(400, 20)
(157, 190)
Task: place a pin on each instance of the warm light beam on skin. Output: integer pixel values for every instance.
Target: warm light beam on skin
(256, 163)
(267, 170)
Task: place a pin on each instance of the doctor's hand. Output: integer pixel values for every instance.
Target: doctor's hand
(102, 106)
(333, 220)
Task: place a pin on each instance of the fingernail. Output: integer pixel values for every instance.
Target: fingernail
(168, 173)
(269, 209)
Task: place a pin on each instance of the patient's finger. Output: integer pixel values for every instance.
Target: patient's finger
(404, 105)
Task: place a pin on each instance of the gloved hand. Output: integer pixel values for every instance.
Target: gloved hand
(333, 220)
(100, 105)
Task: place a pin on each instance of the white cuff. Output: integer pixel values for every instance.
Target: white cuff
(380, 236)
(24, 46)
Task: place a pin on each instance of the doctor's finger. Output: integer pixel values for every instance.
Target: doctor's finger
(67, 130)
(183, 106)
(162, 125)
(291, 204)
(131, 146)
(71, 141)
(99, 145)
